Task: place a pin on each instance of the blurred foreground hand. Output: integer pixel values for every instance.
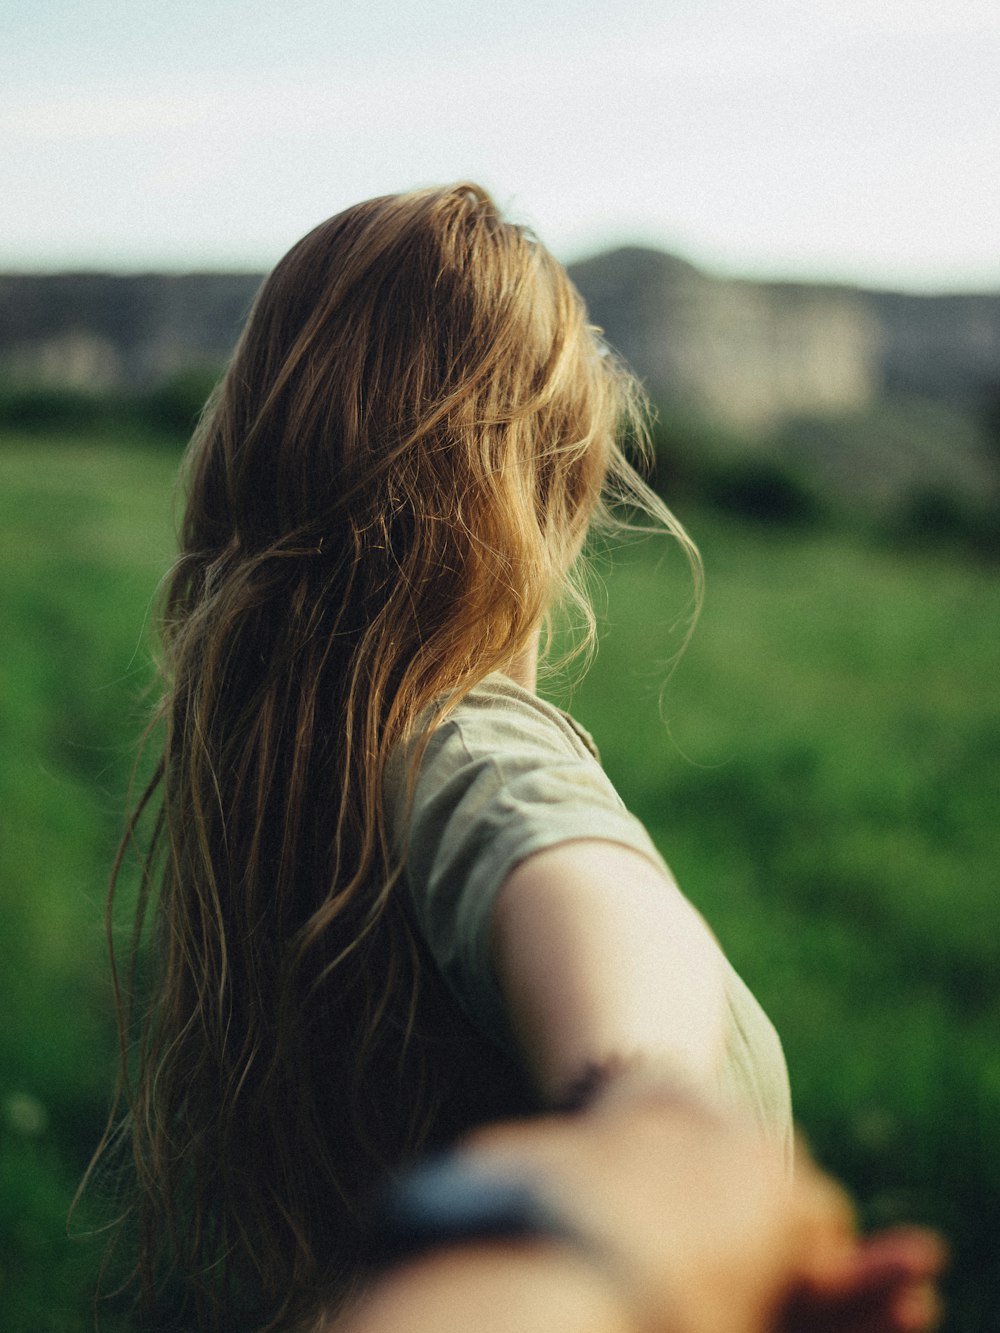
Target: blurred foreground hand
(681, 1222)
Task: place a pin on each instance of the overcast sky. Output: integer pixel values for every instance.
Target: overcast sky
(847, 139)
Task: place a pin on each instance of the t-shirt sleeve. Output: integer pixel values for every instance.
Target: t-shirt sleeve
(499, 780)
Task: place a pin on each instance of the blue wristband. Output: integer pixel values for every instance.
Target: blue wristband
(449, 1199)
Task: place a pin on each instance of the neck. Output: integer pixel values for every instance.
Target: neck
(523, 669)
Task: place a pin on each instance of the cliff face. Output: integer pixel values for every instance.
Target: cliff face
(875, 397)
(752, 354)
(746, 354)
(105, 331)
(941, 347)
(749, 355)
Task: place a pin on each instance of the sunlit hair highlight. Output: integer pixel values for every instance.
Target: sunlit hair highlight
(387, 493)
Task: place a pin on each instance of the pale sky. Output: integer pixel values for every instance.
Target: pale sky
(844, 139)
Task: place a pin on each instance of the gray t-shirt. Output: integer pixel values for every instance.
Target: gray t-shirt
(506, 775)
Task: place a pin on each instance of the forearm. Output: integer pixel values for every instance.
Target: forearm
(492, 1287)
(644, 1213)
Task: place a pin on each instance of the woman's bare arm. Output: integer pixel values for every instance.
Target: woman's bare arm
(683, 1221)
(601, 959)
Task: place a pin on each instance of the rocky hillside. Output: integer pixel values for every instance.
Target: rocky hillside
(742, 353)
(106, 331)
(753, 354)
(745, 353)
(875, 396)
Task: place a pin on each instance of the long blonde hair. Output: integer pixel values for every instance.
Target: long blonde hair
(385, 495)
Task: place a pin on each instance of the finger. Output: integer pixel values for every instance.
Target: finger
(907, 1309)
(888, 1288)
(916, 1308)
(874, 1265)
(913, 1252)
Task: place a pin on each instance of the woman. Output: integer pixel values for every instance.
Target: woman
(394, 894)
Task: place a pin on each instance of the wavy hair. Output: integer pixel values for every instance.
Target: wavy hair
(385, 495)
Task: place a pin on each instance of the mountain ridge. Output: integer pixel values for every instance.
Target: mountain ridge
(748, 353)
(867, 392)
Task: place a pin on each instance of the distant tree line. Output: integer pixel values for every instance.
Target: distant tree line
(695, 464)
(167, 411)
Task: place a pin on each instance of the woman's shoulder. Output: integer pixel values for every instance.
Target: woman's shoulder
(498, 712)
(495, 735)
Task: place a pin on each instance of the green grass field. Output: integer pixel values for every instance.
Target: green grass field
(821, 772)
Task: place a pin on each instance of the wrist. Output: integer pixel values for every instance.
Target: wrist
(453, 1215)
(494, 1286)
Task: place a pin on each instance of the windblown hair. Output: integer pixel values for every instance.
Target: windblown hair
(386, 494)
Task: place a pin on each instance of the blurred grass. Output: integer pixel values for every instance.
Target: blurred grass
(84, 537)
(822, 774)
(822, 779)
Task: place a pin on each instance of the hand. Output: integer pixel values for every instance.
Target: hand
(887, 1284)
(694, 1219)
